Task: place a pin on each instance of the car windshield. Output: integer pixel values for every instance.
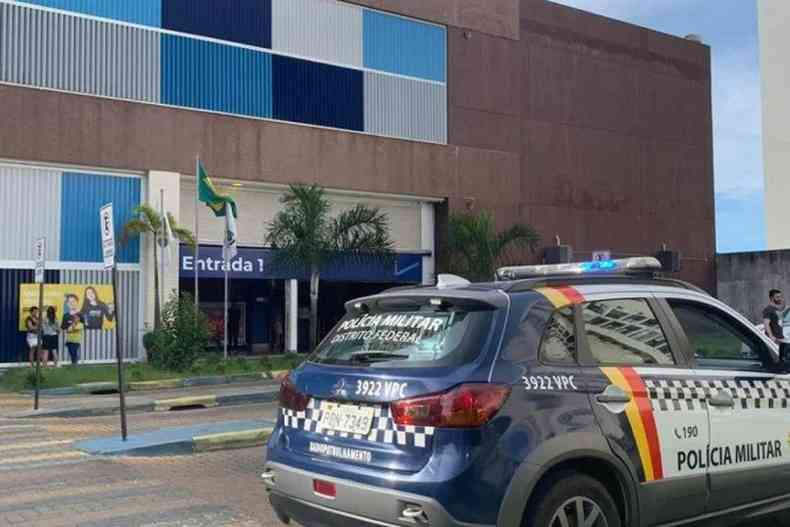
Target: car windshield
(421, 337)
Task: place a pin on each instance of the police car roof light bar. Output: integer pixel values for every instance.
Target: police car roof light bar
(626, 266)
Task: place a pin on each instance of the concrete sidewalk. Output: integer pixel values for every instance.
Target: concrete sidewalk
(183, 440)
(164, 400)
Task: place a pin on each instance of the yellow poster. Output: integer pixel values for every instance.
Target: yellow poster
(90, 304)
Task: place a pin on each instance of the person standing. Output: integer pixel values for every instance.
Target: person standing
(277, 330)
(51, 330)
(772, 315)
(94, 312)
(234, 320)
(73, 326)
(31, 326)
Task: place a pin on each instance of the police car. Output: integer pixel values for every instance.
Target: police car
(579, 395)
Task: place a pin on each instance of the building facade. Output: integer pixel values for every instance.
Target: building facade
(589, 129)
(774, 19)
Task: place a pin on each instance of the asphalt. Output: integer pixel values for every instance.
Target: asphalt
(162, 400)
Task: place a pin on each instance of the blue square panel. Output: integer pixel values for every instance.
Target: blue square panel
(219, 77)
(399, 45)
(82, 197)
(244, 21)
(313, 93)
(143, 12)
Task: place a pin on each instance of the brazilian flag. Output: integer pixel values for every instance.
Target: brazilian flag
(208, 194)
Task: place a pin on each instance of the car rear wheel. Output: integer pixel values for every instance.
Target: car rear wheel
(573, 500)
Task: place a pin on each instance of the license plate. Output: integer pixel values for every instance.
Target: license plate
(346, 418)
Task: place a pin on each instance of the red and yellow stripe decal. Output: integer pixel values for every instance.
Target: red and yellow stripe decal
(640, 416)
(561, 296)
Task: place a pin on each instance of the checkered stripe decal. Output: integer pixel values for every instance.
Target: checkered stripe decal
(384, 429)
(673, 395)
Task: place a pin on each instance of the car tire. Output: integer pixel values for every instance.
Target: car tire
(562, 495)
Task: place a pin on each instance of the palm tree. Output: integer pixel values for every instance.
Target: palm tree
(305, 234)
(147, 220)
(476, 249)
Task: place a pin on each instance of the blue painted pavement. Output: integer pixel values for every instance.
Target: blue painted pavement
(165, 440)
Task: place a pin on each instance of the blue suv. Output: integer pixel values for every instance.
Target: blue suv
(580, 395)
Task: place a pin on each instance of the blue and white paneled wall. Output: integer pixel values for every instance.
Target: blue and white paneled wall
(319, 62)
(63, 206)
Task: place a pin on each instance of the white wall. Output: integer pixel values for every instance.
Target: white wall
(170, 182)
(259, 204)
(774, 23)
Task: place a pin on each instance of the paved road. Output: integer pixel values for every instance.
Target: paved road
(44, 481)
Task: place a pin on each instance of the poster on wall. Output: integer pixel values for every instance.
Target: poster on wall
(90, 304)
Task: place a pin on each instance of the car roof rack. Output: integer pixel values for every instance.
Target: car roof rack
(529, 284)
(644, 266)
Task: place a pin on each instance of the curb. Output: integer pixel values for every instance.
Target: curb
(94, 388)
(141, 386)
(206, 401)
(231, 440)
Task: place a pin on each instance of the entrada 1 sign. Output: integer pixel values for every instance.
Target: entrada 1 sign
(239, 265)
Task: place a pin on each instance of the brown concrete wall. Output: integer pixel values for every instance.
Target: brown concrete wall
(587, 128)
(744, 279)
(494, 17)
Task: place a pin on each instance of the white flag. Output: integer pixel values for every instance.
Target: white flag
(168, 240)
(229, 246)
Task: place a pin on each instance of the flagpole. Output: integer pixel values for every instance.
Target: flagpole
(227, 258)
(197, 234)
(161, 251)
(227, 264)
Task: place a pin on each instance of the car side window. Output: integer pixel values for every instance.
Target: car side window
(559, 339)
(716, 339)
(625, 332)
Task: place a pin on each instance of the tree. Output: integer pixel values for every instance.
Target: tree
(305, 234)
(476, 249)
(147, 220)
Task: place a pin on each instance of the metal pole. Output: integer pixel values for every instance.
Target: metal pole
(227, 264)
(38, 346)
(197, 233)
(162, 252)
(118, 351)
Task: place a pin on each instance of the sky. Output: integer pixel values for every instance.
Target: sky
(729, 27)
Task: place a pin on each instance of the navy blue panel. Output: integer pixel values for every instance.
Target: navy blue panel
(258, 264)
(13, 347)
(244, 21)
(313, 93)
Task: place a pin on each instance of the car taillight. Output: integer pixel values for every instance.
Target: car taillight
(291, 398)
(465, 406)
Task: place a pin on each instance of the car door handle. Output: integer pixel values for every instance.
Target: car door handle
(722, 399)
(613, 395)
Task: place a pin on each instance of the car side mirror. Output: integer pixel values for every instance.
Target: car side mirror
(784, 358)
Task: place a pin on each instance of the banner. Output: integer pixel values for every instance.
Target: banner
(90, 303)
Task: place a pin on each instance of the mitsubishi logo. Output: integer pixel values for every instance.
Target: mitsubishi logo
(339, 389)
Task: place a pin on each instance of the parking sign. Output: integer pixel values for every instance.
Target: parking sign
(107, 236)
(40, 256)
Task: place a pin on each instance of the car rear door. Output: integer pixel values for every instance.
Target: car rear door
(631, 355)
(747, 404)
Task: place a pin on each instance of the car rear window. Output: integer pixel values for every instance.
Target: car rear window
(419, 337)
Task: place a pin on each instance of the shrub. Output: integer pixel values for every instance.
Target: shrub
(266, 363)
(243, 364)
(149, 341)
(183, 335)
(30, 379)
(135, 372)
